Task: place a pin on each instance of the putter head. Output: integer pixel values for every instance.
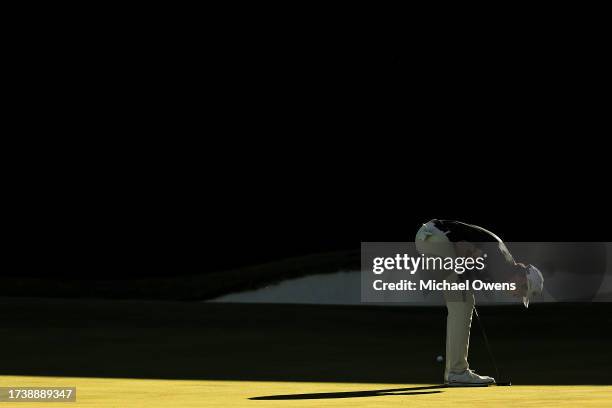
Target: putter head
(503, 383)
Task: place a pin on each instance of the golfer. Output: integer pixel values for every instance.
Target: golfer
(446, 238)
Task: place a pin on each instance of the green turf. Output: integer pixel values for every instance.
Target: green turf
(126, 392)
(546, 344)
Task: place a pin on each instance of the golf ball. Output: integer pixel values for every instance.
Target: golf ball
(439, 359)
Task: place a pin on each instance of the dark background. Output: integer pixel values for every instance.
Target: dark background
(188, 226)
(277, 151)
(159, 151)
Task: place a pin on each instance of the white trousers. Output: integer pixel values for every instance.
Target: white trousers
(460, 305)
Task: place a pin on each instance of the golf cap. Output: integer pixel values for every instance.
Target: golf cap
(535, 284)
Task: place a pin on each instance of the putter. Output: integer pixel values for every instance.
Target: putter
(498, 379)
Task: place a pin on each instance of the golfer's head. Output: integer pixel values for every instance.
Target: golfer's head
(519, 276)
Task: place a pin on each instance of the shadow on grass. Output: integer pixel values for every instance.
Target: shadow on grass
(355, 394)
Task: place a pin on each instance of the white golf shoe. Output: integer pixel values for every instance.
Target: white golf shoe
(468, 378)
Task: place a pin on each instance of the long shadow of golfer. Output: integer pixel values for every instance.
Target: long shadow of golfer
(355, 394)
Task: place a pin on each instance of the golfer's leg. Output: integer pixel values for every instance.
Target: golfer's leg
(458, 322)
